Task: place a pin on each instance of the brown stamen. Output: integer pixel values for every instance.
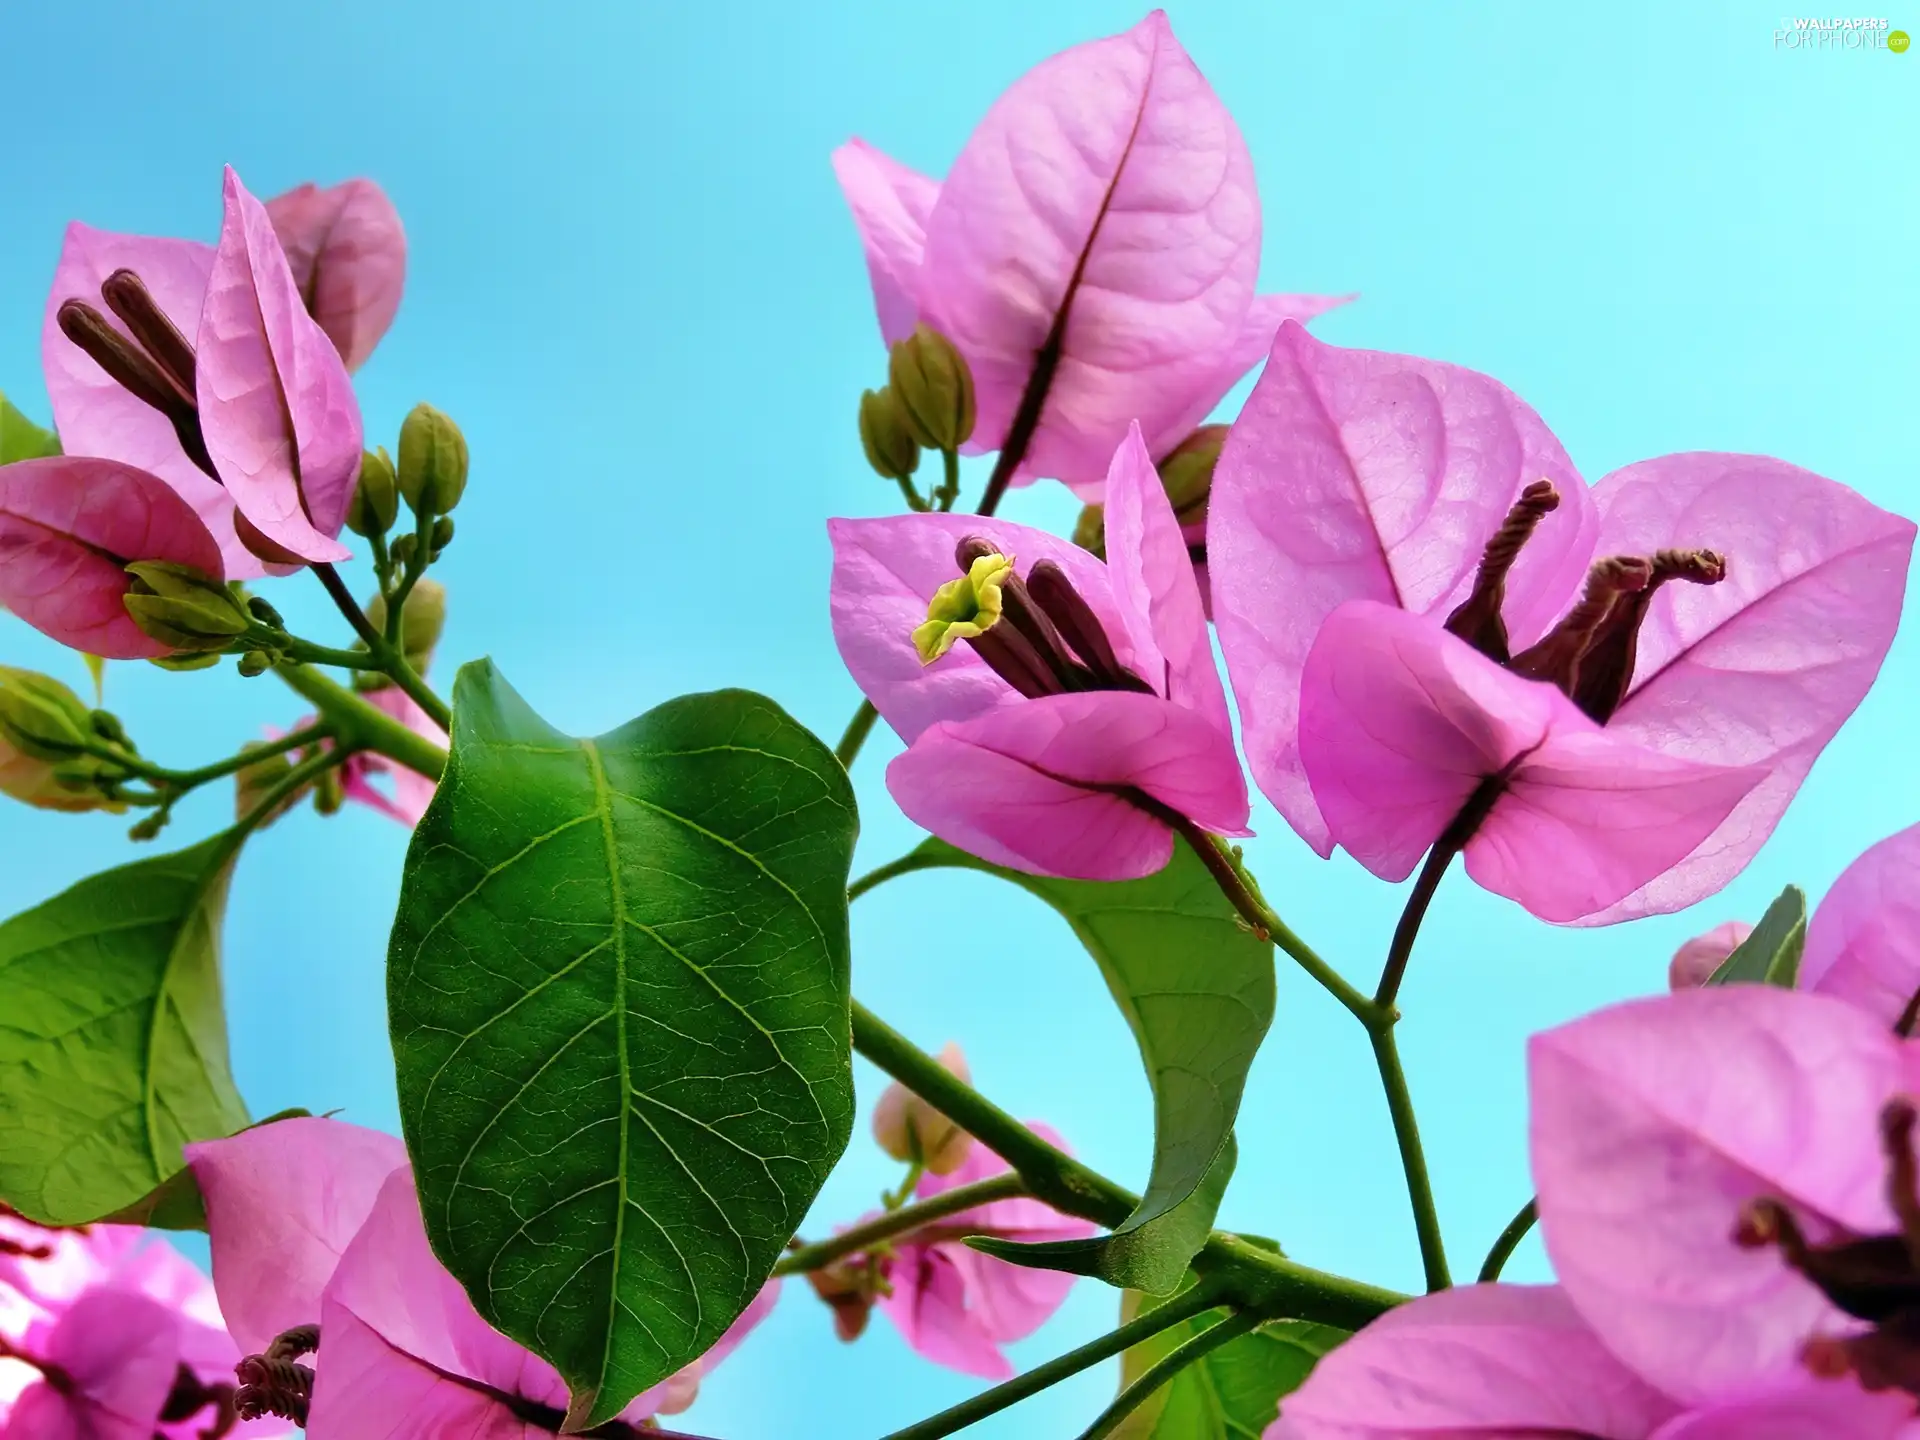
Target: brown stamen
(1053, 592)
(1477, 619)
(1606, 670)
(128, 297)
(1559, 655)
(1034, 642)
(136, 372)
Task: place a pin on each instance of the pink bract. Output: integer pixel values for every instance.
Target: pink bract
(1041, 784)
(1358, 484)
(69, 525)
(348, 256)
(1035, 244)
(1696, 960)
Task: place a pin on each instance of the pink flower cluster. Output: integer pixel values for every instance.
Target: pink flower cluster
(107, 1333)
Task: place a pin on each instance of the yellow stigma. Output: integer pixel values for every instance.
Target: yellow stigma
(963, 608)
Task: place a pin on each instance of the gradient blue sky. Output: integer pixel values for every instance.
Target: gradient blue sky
(636, 287)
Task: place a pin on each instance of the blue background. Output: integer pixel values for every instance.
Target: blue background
(635, 285)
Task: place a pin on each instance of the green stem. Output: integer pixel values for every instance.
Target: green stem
(385, 651)
(1413, 1159)
(911, 1217)
(949, 490)
(1230, 873)
(1508, 1242)
(305, 652)
(911, 494)
(1252, 1277)
(416, 567)
(856, 734)
(1400, 951)
(292, 783)
(357, 724)
(1168, 1366)
(181, 781)
(1196, 1301)
(908, 863)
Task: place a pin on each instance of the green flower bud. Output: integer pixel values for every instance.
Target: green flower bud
(963, 608)
(403, 549)
(442, 535)
(891, 451)
(188, 660)
(181, 607)
(376, 499)
(422, 617)
(265, 613)
(329, 793)
(149, 826)
(1090, 530)
(1186, 474)
(934, 387)
(41, 718)
(908, 1128)
(41, 724)
(433, 461)
(255, 662)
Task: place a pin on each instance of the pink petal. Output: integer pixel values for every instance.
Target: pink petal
(1695, 961)
(1812, 1410)
(1358, 475)
(122, 1352)
(283, 1201)
(1400, 723)
(1155, 590)
(412, 791)
(890, 205)
(884, 573)
(276, 407)
(1655, 1121)
(92, 413)
(368, 1390)
(930, 1307)
(1110, 190)
(68, 527)
(1863, 943)
(1481, 1360)
(1032, 785)
(348, 255)
(1764, 667)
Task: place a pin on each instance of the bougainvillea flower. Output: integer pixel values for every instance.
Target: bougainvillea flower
(404, 1353)
(1863, 943)
(315, 1221)
(348, 254)
(277, 410)
(126, 322)
(956, 1306)
(1496, 1361)
(1061, 714)
(1397, 550)
(108, 1364)
(1695, 961)
(69, 526)
(1029, 256)
(1726, 1188)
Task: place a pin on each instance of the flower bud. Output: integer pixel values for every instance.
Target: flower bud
(255, 662)
(187, 660)
(376, 499)
(403, 549)
(934, 387)
(1693, 963)
(422, 617)
(179, 606)
(149, 826)
(442, 535)
(883, 435)
(1090, 530)
(908, 1128)
(41, 724)
(265, 613)
(847, 1286)
(252, 784)
(432, 474)
(1186, 473)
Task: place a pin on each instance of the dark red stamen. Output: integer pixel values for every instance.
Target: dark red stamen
(1606, 670)
(1477, 619)
(128, 297)
(1557, 657)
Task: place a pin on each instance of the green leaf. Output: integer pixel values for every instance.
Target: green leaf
(1771, 954)
(113, 1046)
(176, 1202)
(1232, 1393)
(1197, 989)
(618, 993)
(21, 439)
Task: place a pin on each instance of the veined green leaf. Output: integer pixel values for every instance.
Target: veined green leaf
(21, 439)
(618, 986)
(1771, 954)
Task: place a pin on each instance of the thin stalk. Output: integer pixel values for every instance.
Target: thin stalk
(181, 781)
(858, 728)
(1408, 930)
(1196, 1301)
(305, 652)
(910, 1217)
(384, 651)
(292, 783)
(1164, 1369)
(908, 863)
(359, 724)
(949, 490)
(416, 567)
(1413, 1159)
(911, 494)
(1508, 1242)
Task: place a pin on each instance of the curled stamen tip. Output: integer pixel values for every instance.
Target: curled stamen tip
(1759, 1225)
(1701, 567)
(1621, 574)
(1541, 496)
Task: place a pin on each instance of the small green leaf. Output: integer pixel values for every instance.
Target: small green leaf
(113, 1047)
(21, 439)
(176, 1203)
(1771, 954)
(1197, 989)
(1232, 1393)
(620, 1013)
